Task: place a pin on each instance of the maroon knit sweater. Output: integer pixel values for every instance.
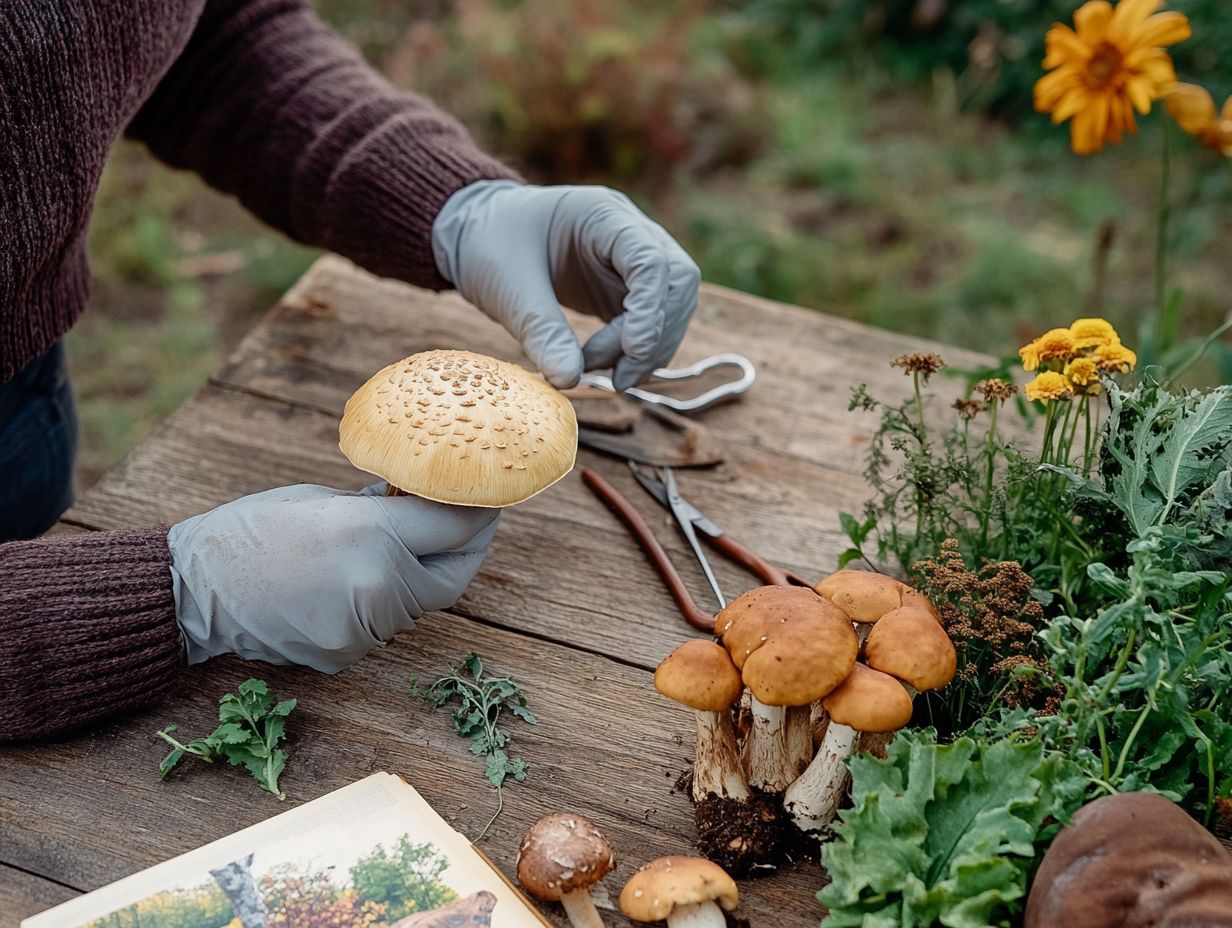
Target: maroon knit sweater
(265, 103)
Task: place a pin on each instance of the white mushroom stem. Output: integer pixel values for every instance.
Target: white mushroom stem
(765, 750)
(717, 770)
(813, 800)
(697, 915)
(581, 909)
(798, 736)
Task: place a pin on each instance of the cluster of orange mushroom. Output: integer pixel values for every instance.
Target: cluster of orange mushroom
(820, 666)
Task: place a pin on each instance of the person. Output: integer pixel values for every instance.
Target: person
(265, 103)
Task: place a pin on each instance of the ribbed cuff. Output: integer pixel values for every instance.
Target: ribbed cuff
(87, 629)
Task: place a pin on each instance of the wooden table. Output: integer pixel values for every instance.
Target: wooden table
(566, 603)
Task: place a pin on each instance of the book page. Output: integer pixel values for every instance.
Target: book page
(369, 855)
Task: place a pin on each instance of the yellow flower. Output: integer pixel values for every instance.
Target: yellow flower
(1115, 358)
(1030, 355)
(1112, 63)
(1194, 111)
(1091, 333)
(1083, 375)
(1049, 386)
(1056, 345)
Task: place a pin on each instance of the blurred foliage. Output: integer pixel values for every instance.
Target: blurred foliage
(403, 880)
(311, 900)
(202, 906)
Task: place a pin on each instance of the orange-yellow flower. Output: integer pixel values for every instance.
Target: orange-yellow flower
(1110, 64)
(1030, 355)
(1194, 111)
(1091, 333)
(1083, 375)
(1115, 358)
(1049, 386)
(1056, 345)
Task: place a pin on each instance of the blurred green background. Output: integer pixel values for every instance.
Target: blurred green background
(876, 159)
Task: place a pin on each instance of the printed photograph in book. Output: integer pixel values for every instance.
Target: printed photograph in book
(372, 855)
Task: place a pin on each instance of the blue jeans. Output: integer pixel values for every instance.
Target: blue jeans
(38, 441)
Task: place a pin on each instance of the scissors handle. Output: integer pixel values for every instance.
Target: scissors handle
(755, 563)
(745, 376)
(641, 531)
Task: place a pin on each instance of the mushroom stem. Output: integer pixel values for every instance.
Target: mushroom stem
(581, 909)
(813, 799)
(697, 915)
(798, 737)
(717, 771)
(766, 759)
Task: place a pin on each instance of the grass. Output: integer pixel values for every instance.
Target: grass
(830, 186)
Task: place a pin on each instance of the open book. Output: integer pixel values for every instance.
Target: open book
(369, 855)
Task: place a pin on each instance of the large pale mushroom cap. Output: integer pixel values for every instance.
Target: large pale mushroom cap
(863, 595)
(461, 428)
(657, 888)
(869, 700)
(701, 675)
(909, 644)
(791, 645)
(560, 854)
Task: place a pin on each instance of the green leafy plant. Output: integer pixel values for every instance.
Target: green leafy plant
(252, 726)
(481, 701)
(403, 880)
(944, 833)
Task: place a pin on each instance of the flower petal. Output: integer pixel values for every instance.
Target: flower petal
(1050, 88)
(1138, 90)
(1074, 100)
(1163, 29)
(1131, 14)
(1192, 108)
(1226, 112)
(1092, 20)
(1062, 46)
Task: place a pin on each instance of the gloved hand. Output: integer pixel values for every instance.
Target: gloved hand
(518, 251)
(314, 576)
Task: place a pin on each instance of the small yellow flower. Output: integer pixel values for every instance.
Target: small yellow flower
(1111, 63)
(1056, 345)
(1115, 358)
(1049, 386)
(1091, 333)
(1030, 355)
(1083, 375)
(1194, 111)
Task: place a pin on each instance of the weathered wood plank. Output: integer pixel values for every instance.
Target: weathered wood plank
(88, 810)
(562, 567)
(339, 325)
(23, 894)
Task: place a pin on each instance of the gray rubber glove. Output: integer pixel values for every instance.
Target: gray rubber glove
(518, 251)
(314, 576)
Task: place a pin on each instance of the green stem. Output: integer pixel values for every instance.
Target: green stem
(919, 410)
(1088, 440)
(1161, 235)
(500, 805)
(1129, 741)
(988, 470)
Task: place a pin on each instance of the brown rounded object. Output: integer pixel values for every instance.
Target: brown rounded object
(909, 644)
(461, 428)
(700, 674)
(869, 700)
(1133, 860)
(657, 888)
(562, 853)
(791, 645)
(862, 595)
(914, 598)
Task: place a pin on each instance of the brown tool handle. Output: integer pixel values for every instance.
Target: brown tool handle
(641, 531)
(776, 576)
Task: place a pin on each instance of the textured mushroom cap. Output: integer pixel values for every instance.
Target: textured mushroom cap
(791, 645)
(909, 644)
(862, 595)
(869, 700)
(914, 598)
(1132, 859)
(562, 853)
(462, 428)
(661, 885)
(701, 675)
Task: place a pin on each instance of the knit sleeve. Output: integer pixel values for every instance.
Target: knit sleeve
(87, 629)
(270, 105)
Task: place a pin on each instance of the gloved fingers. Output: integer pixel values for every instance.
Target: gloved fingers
(380, 488)
(602, 350)
(639, 256)
(449, 575)
(426, 528)
(531, 313)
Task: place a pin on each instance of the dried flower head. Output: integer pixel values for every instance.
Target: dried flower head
(968, 408)
(1115, 358)
(1083, 375)
(917, 363)
(1092, 332)
(996, 390)
(1056, 345)
(1049, 386)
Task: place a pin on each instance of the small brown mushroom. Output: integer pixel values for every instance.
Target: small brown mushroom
(907, 643)
(701, 675)
(868, 701)
(687, 892)
(1133, 860)
(560, 858)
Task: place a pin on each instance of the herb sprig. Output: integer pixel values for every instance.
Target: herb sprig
(481, 701)
(252, 726)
